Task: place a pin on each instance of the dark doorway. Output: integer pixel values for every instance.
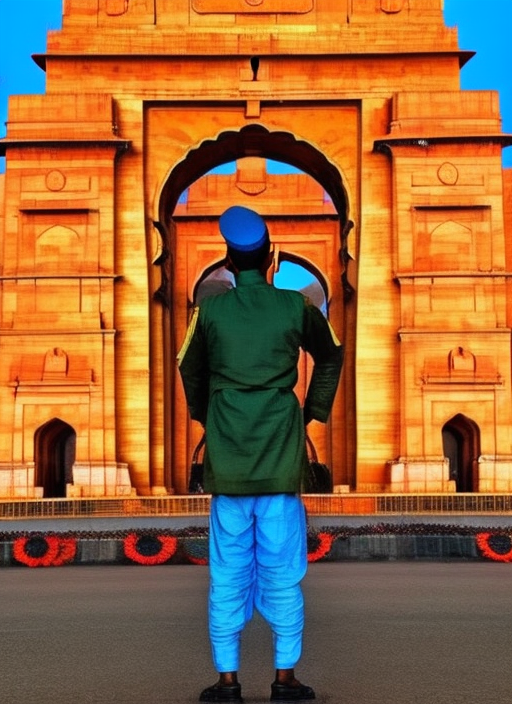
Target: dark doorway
(54, 454)
(461, 445)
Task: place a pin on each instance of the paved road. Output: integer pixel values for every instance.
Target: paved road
(377, 633)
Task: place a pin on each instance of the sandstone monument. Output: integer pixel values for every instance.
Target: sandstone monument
(397, 220)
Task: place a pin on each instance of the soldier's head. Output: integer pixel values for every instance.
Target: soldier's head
(247, 239)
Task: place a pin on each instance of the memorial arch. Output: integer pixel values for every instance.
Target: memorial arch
(102, 254)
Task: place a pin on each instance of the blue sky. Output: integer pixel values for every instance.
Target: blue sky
(484, 27)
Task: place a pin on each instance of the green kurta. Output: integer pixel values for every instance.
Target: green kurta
(239, 366)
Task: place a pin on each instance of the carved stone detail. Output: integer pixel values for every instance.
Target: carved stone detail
(448, 174)
(391, 6)
(115, 8)
(55, 180)
(249, 6)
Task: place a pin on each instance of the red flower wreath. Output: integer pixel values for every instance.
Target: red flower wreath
(149, 549)
(325, 541)
(44, 551)
(485, 542)
(67, 552)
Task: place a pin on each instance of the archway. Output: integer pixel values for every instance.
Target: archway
(254, 141)
(54, 454)
(461, 445)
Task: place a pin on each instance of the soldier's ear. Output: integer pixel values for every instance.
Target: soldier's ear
(268, 268)
(229, 265)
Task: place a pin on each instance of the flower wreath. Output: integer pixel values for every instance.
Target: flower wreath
(324, 544)
(148, 549)
(44, 551)
(495, 546)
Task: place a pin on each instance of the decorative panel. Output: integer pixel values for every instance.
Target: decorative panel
(252, 6)
(452, 239)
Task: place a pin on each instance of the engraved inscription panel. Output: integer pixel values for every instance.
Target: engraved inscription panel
(252, 6)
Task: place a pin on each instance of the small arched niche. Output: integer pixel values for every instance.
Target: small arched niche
(461, 445)
(54, 455)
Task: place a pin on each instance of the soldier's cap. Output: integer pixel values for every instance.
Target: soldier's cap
(243, 229)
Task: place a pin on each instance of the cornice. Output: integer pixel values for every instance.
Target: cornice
(121, 145)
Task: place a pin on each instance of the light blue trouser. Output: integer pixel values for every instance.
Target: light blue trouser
(258, 557)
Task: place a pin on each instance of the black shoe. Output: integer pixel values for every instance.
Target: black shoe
(222, 693)
(290, 693)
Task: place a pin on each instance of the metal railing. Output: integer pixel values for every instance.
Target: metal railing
(96, 508)
(316, 505)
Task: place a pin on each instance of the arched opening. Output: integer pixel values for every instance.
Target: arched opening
(292, 273)
(54, 454)
(461, 445)
(252, 140)
(333, 290)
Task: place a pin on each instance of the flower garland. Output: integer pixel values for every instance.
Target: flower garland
(44, 551)
(191, 544)
(324, 544)
(495, 546)
(148, 549)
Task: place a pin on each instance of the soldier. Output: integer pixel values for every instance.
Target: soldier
(239, 367)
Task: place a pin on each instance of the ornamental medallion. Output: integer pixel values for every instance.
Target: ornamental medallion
(391, 6)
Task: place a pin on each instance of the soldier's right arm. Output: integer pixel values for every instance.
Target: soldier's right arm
(193, 368)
